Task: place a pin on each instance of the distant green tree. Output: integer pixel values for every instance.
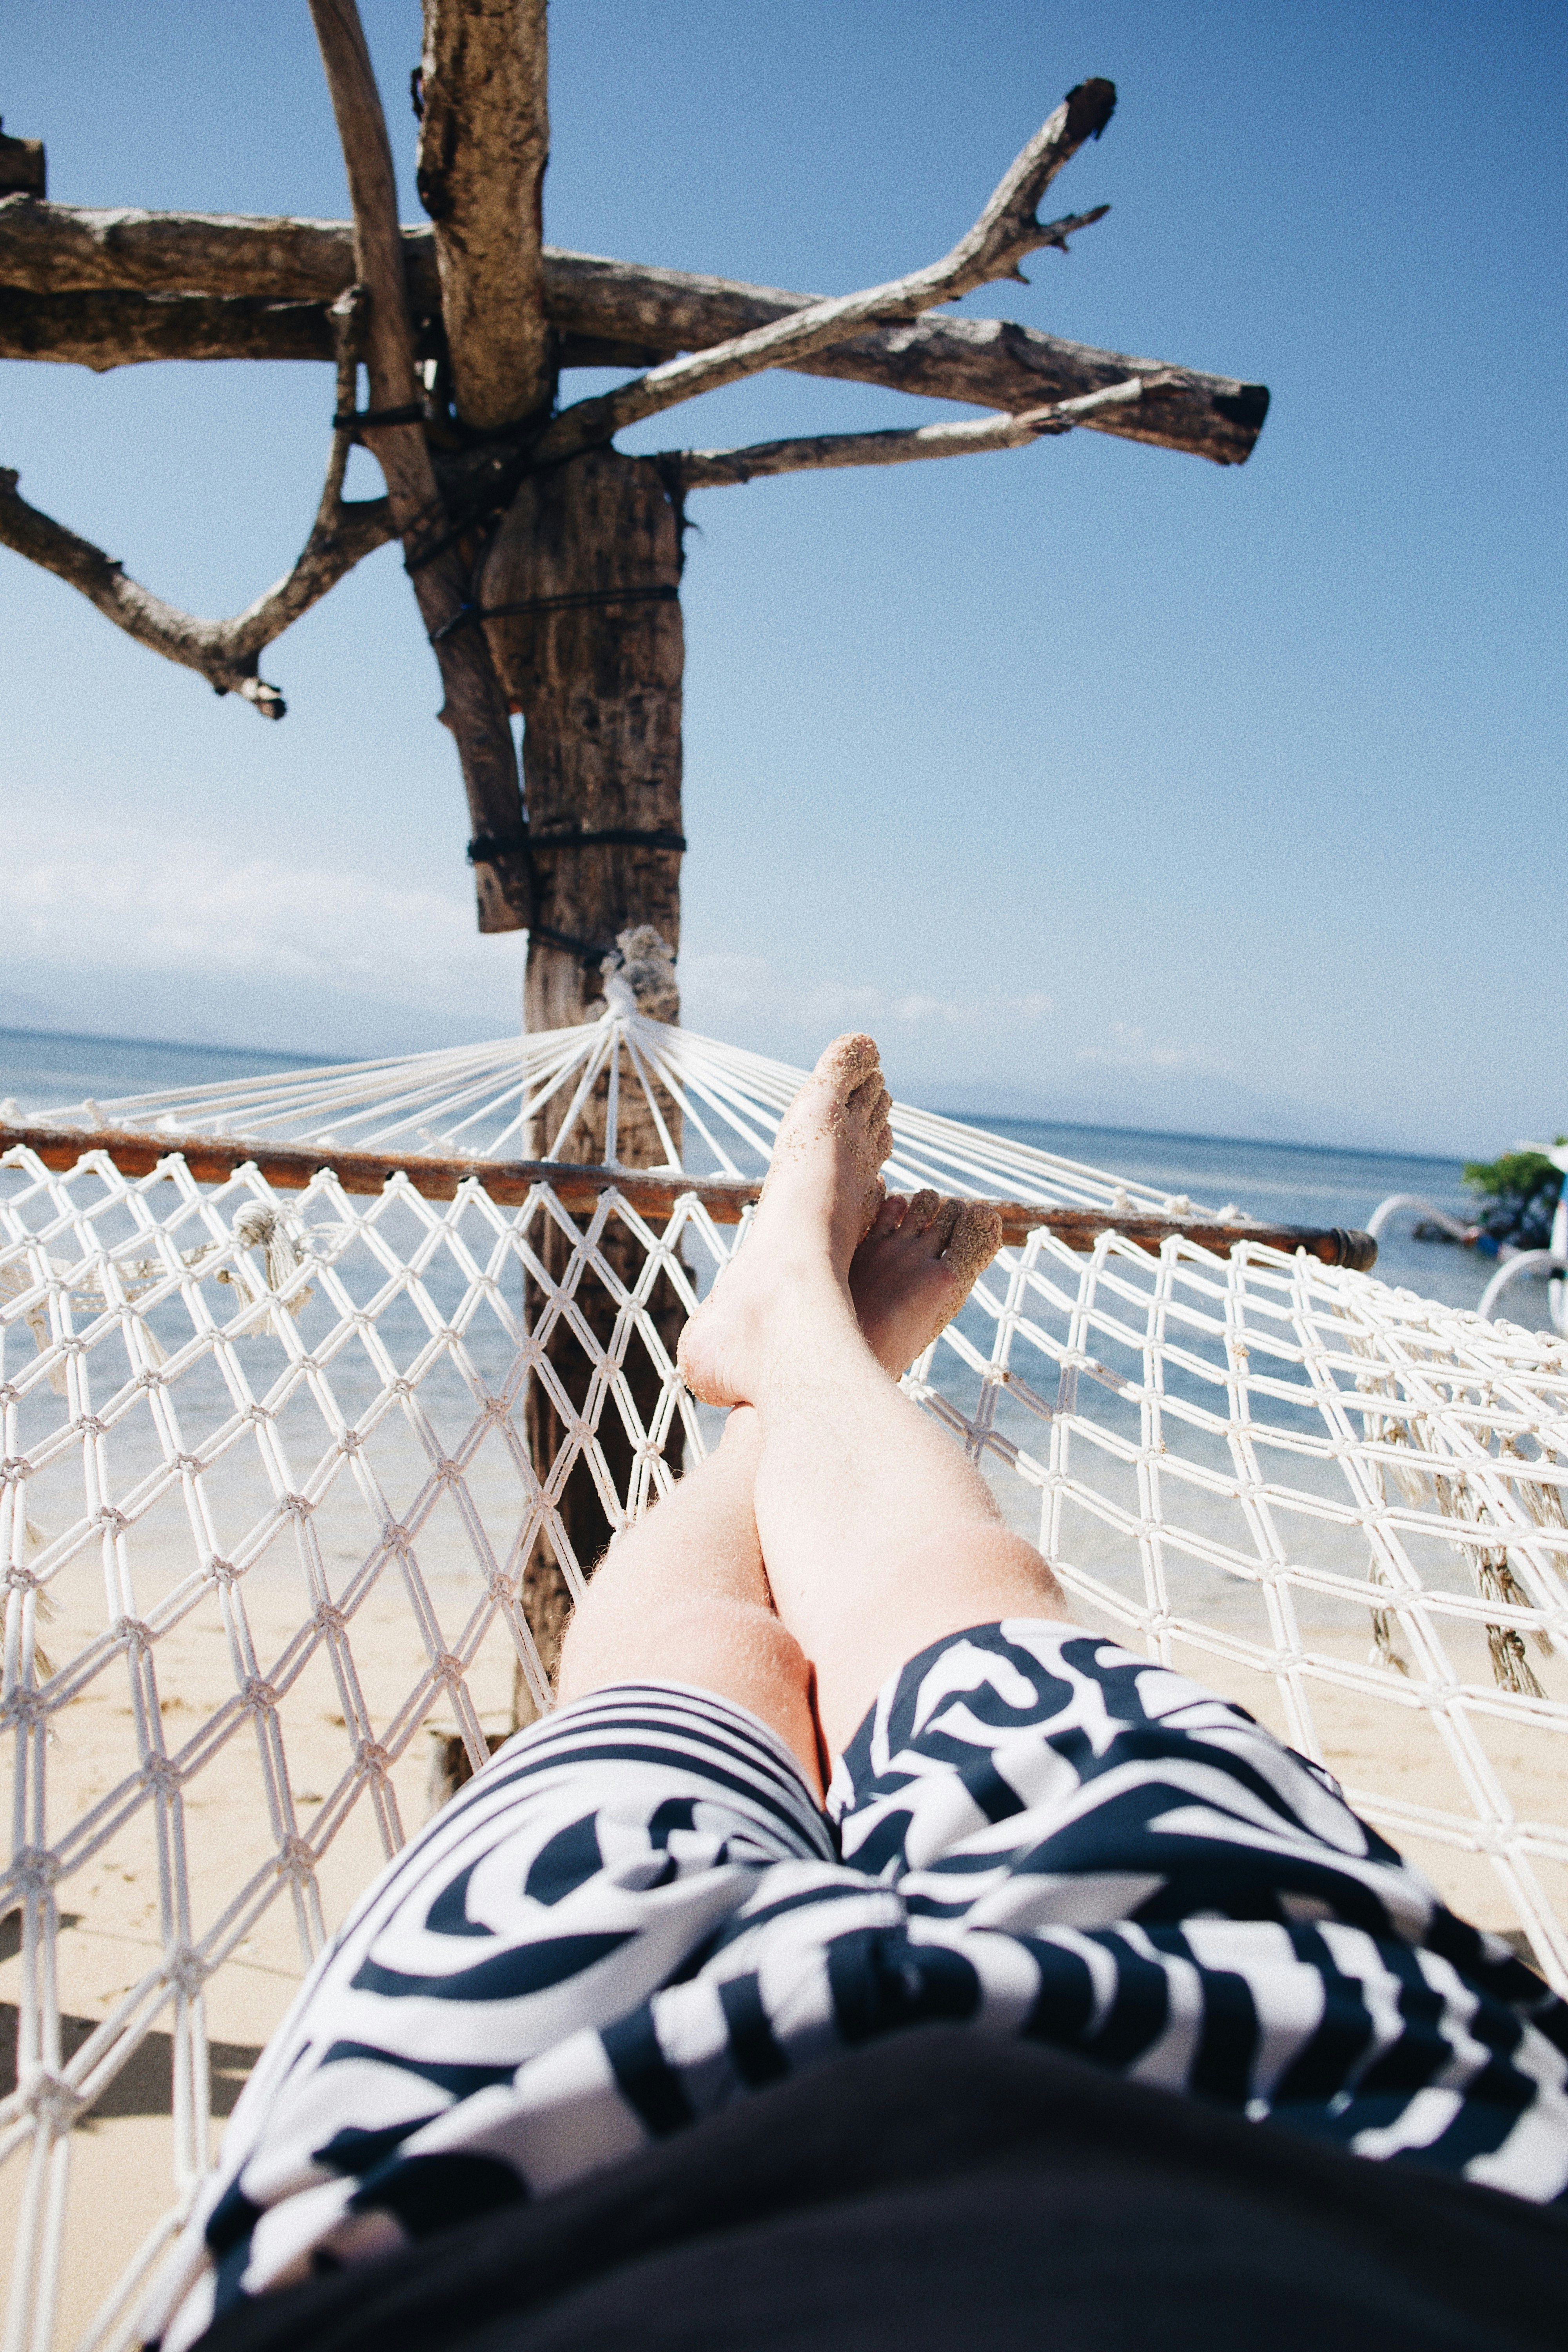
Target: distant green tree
(1522, 1191)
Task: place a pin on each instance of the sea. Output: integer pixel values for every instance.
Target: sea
(1287, 1184)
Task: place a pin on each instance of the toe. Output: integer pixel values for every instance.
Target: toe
(922, 1210)
(871, 1101)
(888, 1218)
(942, 1224)
(973, 1241)
(850, 1062)
(882, 1126)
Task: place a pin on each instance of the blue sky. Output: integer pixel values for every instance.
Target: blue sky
(1099, 782)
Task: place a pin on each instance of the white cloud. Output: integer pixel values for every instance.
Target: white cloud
(197, 912)
(130, 936)
(1128, 1048)
(715, 986)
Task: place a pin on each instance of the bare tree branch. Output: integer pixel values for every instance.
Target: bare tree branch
(100, 329)
(484, 141)
(225, 653)
(610, 314)
(992, 363)
(474, 710)
(1006, 230)
(56, 248)
(712, 469)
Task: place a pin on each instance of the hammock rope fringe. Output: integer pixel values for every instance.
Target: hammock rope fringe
(264, 1467)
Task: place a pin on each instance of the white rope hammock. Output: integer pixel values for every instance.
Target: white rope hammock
(268, 1505)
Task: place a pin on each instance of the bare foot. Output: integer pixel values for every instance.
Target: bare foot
(821, 1197)
(915, 1268)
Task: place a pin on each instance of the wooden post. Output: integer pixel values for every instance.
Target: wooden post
(590, 551)
(598, 684)
(484, 140)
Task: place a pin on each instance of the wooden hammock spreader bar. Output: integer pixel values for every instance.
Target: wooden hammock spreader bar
(652, 1191)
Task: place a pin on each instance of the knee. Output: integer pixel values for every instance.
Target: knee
(732, 1648)
(741, 1651)
(713, 1641)
(987, 1558)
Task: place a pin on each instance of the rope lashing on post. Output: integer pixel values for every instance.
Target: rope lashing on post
(591, 955)
(661, 592)
(354, 420)
(486, 847)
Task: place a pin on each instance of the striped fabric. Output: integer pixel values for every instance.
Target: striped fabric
(637, 1914)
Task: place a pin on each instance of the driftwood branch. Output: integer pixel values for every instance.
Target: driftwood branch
(251, 287)
(474, 710)
(1006, 231)
(712, 469)
(101, 329)
(57, 249)
(484, 141)
(225, 653)
(988, 362)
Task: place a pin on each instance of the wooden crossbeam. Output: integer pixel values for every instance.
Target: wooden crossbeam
(652, 1191)
(103, 288)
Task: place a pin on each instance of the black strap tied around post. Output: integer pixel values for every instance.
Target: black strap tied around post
(486, 847)
(590, 954)
(622, 836)
(354, 420)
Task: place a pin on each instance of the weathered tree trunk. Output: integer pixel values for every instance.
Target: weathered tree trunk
(484, 141)
(599, 687)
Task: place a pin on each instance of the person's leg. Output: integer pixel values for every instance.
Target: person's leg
(878, 1536)
(682, 1597)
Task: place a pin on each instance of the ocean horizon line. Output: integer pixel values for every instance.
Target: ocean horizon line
(1200, 1135)
(176, 1044)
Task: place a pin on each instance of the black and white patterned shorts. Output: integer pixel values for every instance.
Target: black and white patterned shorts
(638, 1912)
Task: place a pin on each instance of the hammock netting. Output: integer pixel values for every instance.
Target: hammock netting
(269, 1512)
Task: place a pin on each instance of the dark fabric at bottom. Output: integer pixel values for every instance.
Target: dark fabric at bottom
(940, 2189)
